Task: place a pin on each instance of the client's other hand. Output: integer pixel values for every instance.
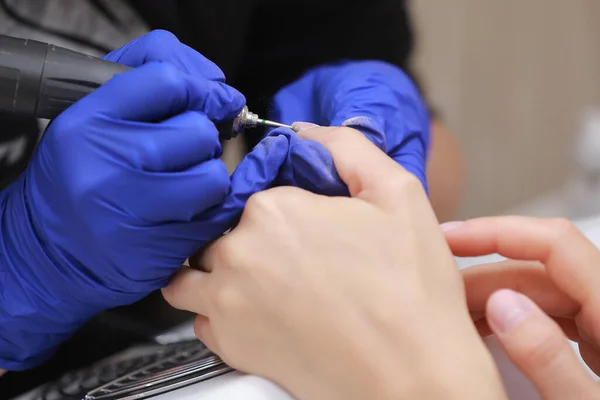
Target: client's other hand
(555, 269)
(341, 298)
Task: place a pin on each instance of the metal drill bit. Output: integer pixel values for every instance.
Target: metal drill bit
(273, 124)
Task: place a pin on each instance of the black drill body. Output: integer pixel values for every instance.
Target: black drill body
(42, 80)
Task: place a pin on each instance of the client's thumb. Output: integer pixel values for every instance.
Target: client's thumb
(537, 346)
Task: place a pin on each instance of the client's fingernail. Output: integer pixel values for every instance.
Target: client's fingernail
(302, 126)
(506, 309)
(448, 226)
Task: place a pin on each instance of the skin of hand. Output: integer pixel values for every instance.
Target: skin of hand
(445, 172)
(341, 298)
(551, 281)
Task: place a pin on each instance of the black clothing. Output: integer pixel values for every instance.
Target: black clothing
(263, 45)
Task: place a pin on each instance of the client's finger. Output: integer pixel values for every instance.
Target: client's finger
(567, 325)
(527, 277)
(571, 260)
(369, 173)
(188, 291)
(537, 346)
(204, 333)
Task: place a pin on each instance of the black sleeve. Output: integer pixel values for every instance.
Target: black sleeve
(284, 41)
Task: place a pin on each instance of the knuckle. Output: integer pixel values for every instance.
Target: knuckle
(205, 126)
(161, 37)
(167, 76)
(260, 204)
(224, 253)
(286, 197)
(562, 227)
(273, 205)
(218, 177)
(168, 295)
(205, 131)
(227, 299)
(69, 124)
(404, 184)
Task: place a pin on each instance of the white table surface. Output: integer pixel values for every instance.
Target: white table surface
(243, 387)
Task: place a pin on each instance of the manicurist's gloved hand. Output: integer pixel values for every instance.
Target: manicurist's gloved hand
(374, 97)
(124, 186)
(163, 46)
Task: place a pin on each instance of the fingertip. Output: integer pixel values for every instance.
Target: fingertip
(204, 333)
(223, 102)
(537, 345)
(473, 237)
(451, 226)
(506, 309)
(238, 100)
(303, 126)
(159, 89)
(148, 47)
(185, 291)
(166, 293)
(200, 324)
(171, 291)
(164, 46)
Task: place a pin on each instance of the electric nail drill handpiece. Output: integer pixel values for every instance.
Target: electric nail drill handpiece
(42, 80)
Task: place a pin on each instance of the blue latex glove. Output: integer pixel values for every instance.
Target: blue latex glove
(113, 202)
(374, 97)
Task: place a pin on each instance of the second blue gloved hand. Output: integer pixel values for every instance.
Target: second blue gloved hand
(374, 97)
(124, 186)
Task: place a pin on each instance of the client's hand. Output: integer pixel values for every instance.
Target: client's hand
(560, 275)
(341, 298)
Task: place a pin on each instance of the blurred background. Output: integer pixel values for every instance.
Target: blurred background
(518, 82)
